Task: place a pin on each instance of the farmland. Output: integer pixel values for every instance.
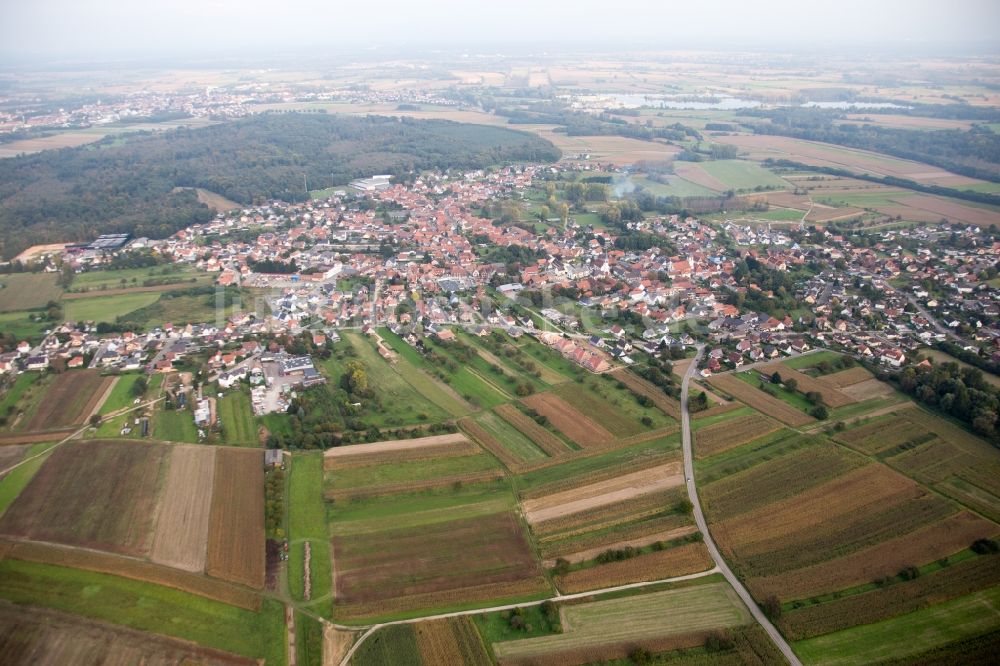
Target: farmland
(236, 417)
(501, 439)
(610, 628)
(759, 400)
(732, 432)
(236, 524)
(181, 535)
(145, 607)
(721, 175)
(69, 400)
(307, 522)
(107, 308)
(63, 504)
(832, 397)
(28, 291)
(538, 435)
(667, 563)
(577, 427)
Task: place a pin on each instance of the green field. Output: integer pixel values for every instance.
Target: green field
(148, 608)
(307, 522)
(28, 291)
(741, 175)
(121, 395)
(793, 398)
(236, 415)
(14, 482)
(674, 187)
(395, 644)
(810, 360)
(401, 402)
(408, 471)
(308, 640)
(106, 308)
(137, 277)
(907, 635)
(511, 438)
(21, 325)
(644, 616)
(408, 366)
(175, 426)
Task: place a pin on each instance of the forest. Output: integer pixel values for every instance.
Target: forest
(128, 184)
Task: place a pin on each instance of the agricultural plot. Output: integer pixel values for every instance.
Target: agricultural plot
(665, 403)
(236, 419)
(236, 532)
(69, 400)
(655, 565)
(65, 504)
(732, 432)
(614, 408)
(41, 636)
(307, 523)
(577, 427)
(121, 394)
(453, 641)
(107, 308)
(395, 644)
(28, 291)
(761, 401)
(539, 436)
(405, 403)
(909, 635)
(175, 425)
(501, 439)
(722, 175)
(181, 536)
(832, 397)
(848, 377)
(609, 629)
(28, 459)
(256, 634)
(103, 280)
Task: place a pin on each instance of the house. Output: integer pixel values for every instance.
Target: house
(75, 362)
(23, 347)
(273, 457)
(37, 362)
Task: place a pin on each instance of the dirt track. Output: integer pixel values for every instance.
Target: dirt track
(394, 445)
(618, 489)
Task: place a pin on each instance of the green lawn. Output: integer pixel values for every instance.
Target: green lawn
(236, 415)
(810, 360)
(779, 215)
(307, 522)
(148, 608)
(106, 308)
(907, 635)
(121, 395)
(408, 366)
(17, 391)
(20, 324)
(674, 187)
(410, 470)
(175, 426)
(793, 398)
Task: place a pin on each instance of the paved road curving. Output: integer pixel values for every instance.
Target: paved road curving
(699, 518)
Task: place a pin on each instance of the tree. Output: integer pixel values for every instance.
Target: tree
(772, 608)
(95, 420)
(791, 384)
(820, 412)
(776, 377)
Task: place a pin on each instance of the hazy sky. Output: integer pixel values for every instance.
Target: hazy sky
(92, 29)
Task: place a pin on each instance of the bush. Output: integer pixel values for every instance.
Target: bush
(719, 640)
(772, 608)
(985, 546)
(640, 655)
(820, 412)
(909, 573)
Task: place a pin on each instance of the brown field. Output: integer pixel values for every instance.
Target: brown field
(394, 445)
(864, 489)
(908, 122)
(63, 140)
(761, 401)
(456, 450)
(31, 635)
(609, 652)
(569, 420)
(236, 532)
(463, 560)
(100, 495)
(665, 403)
(822, 154)
(36, 250)
(848, 377)
(625, 520)
(70, 400)
(545, 440)
(615, 150)
(181, 536)
(731, 433)
(135, 569)
(12, 454)
(679, 561)
(450, 641)
(953, 212)
(611, 491)
(716, 410)
(638, 542)
(832, 396)
(692, 172)
(868, 389)
(935, 541)
(491, 444)
(820, 213)
(382, 490)
(216, 202)
(638, 463)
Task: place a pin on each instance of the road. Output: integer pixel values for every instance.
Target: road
(699, 518)
(938, 326)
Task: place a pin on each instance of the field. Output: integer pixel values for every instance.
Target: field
(395, 644)
(731, 432)
(832, 396)
(610, 628)
(577, 427)
(676, 561)
(237, 420)
(121, 395)
(541, 437)
(501, 439)
(13, 482)
(175, 425)
(107, 308)
(236, 532)
(665, 403)
(147, 607)
(134, 278)
(453, 641)
(908, 635)
(69, 400)
(722, 175)
(64, 504)
(757, 399)
(614, 408)
(181, 536)
(28, 291)
(39, 636)
(307, 522)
